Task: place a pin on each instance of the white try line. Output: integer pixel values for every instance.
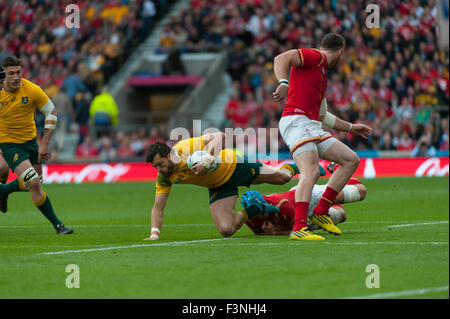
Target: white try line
(420, 224)
(320, 242)
(402, 293)
(106, 226)
(175, 243)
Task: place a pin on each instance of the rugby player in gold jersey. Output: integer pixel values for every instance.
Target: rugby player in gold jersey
(222, 183)
(18, 143)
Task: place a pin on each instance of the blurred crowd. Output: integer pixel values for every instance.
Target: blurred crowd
(73, 64)
(119, 145)
(394, 78)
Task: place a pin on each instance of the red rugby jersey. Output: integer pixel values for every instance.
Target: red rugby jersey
(307, 84)
(286, 203)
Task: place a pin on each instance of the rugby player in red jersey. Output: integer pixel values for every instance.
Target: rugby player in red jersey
(281, 223)
(300, 126)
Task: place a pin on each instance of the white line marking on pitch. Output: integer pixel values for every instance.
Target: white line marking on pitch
(420, 224)
(175, 243)
(338, 243)
(403, 293)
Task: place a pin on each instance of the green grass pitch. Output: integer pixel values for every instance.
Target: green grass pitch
(402, 227)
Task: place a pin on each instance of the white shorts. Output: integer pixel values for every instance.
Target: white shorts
(303, 134)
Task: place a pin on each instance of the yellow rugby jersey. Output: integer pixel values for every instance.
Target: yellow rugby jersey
(183, 175)
(17, 112)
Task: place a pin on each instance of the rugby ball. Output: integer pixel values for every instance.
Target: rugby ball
(197, 157)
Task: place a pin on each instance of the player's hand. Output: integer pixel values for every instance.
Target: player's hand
(199, 169)
(152, 238)
(44, 152)
(362, 130)
(280, 93)
(268, 228)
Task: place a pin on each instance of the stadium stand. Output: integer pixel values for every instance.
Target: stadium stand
(394, 78)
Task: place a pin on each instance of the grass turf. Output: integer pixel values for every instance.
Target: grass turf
(192, 260)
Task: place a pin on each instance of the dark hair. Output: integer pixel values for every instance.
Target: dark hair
(11, 61)
(157, 148)
(333, 41)
(2, 74)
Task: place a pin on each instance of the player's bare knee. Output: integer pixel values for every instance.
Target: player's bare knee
(34, 184)
(362, 191)
(225, 231)
(344, 216)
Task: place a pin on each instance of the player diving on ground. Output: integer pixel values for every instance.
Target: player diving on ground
(222, 183)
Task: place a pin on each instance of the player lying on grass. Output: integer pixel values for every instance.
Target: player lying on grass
(281, 223)
(222, 183)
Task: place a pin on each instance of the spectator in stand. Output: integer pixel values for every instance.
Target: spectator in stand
(106, 150)
(423, 148)
(86, 150)
(82, 104)
(65, 111)
(124, 149)
(405, 143)
(386, 142)
(104, 112)
(443, 140)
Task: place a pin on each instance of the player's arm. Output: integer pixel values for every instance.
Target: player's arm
(269, 228)
(332, 121)
(49, 111)
(213, 143)
(282, 66)
(158, 215)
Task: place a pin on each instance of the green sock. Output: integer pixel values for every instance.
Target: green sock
(322, 171)
(295, 168)
(47, 210)
(6, 189)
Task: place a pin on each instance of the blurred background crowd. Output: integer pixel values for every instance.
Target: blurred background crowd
(394, 78)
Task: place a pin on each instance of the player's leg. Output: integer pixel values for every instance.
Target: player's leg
(227, 221)
(336, 151)
(4, 174)
(354, 191)
(30, 178)
(272, 175)
(307, 160)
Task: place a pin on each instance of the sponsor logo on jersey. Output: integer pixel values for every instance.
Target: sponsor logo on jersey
(25, 99)
(16, 157)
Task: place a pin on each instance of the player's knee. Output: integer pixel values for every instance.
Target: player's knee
(343, 216)
(225, 231)
(362, 191)
(354, 160)
(351, 161)
(34, 184)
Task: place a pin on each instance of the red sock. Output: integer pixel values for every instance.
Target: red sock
(326, 201)
(301, 214)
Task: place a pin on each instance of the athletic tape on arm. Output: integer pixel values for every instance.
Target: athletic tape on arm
(329, 120)
(50, 119)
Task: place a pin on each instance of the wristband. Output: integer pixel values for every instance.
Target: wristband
(283, 81)
(351, 126)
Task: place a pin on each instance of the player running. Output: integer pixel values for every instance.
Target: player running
(18, 143)
(301, 123)
(281, 223)
(222, 183)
